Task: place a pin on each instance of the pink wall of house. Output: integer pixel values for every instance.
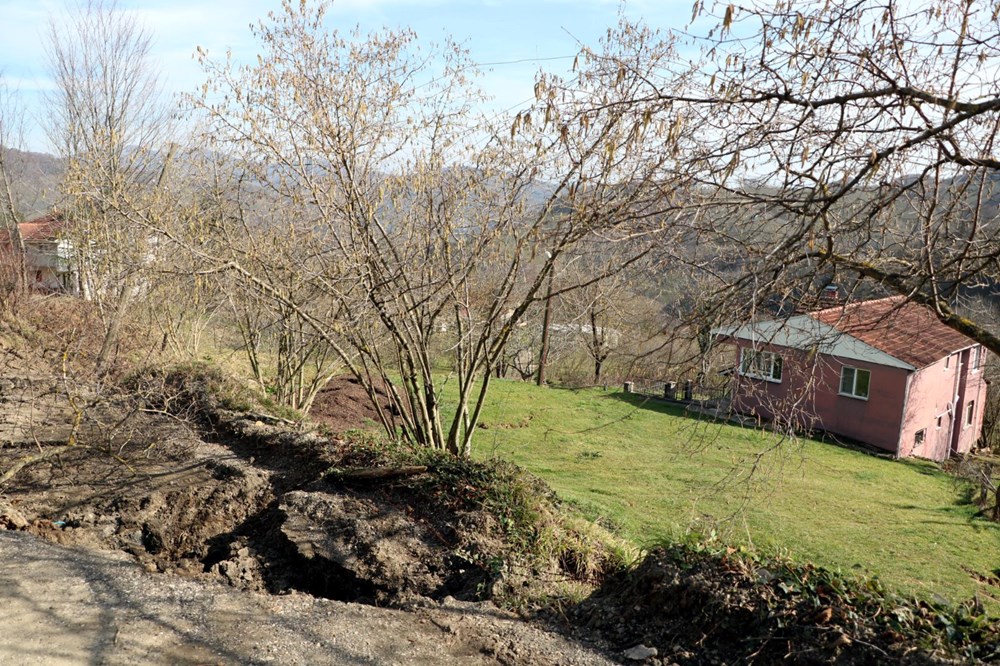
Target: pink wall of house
(788, 399)
(931, 391)
(809, 396)
(875, 420)
(976, 391)
(945, 430)
(809, 389)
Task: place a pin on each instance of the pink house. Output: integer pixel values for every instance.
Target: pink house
(885, 372)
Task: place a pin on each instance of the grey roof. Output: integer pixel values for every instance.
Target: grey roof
(805, 332)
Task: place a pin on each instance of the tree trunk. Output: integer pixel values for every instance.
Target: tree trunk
(543, 354)
(9, 214)
(597, 345)
(128, 290)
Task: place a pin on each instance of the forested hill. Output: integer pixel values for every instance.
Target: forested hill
(35, 180)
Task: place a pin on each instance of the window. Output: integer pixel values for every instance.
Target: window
(919, 438)
(940, 418)
(977, 357)
(854, 382)
(947, 362)
(761, 365)
(970, 412)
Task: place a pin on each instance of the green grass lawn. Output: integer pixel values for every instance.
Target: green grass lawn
(658, 473)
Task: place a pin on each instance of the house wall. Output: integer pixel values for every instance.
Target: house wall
(810, 390)
(939, 397)
(977, 389)
(788, 401)
(929, 408)
(49, 268)
(41, 255)
(875, 421)
(935, 401)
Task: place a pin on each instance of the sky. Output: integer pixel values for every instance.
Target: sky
(517, 36)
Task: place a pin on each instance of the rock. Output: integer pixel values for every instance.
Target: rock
(11, 518)
(640, 653)
(357, 547)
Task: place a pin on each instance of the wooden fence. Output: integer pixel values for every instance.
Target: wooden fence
(686, 391)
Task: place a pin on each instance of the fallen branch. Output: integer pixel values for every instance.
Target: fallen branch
(29, 460)
(373, 473)
(268, 418)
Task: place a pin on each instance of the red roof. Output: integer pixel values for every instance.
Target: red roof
(903, 329)
(46, 227)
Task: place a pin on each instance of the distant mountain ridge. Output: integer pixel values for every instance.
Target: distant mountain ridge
(35, 179)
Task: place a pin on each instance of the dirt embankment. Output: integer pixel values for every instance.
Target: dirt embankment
(237, 502)
(63, 605)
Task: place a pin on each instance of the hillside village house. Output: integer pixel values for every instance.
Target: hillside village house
(885, 372)
(49, 258)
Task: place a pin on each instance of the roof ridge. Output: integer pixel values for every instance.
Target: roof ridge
(849, 305)
(899, 326)
(47, 218)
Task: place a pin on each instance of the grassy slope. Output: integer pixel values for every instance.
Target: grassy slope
(658, 473)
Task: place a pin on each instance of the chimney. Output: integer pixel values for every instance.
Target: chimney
(830, 296)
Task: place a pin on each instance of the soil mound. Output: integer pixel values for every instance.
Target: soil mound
(344, 405)
(71, 606)
(186, 487)
(223, 496)
(692, 607)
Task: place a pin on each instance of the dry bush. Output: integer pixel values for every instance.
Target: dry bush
(68, 333)
(11, 293)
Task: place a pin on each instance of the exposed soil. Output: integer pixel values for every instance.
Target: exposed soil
(700, 610)
(344, 405)
(240, 503)
(62, 605)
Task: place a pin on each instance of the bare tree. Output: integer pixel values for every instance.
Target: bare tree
(11, 131)
(108, 121)
(852, 142)
(287, 357)
(611, 319)
(421, 226)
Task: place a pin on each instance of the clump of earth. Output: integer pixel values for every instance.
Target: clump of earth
(343, 405)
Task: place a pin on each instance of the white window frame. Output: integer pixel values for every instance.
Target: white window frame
(920, 437)
(765, 365)
(977, 358)
(853, 393)
(970, 413)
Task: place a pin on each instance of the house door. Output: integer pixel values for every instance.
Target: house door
(941, 439)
